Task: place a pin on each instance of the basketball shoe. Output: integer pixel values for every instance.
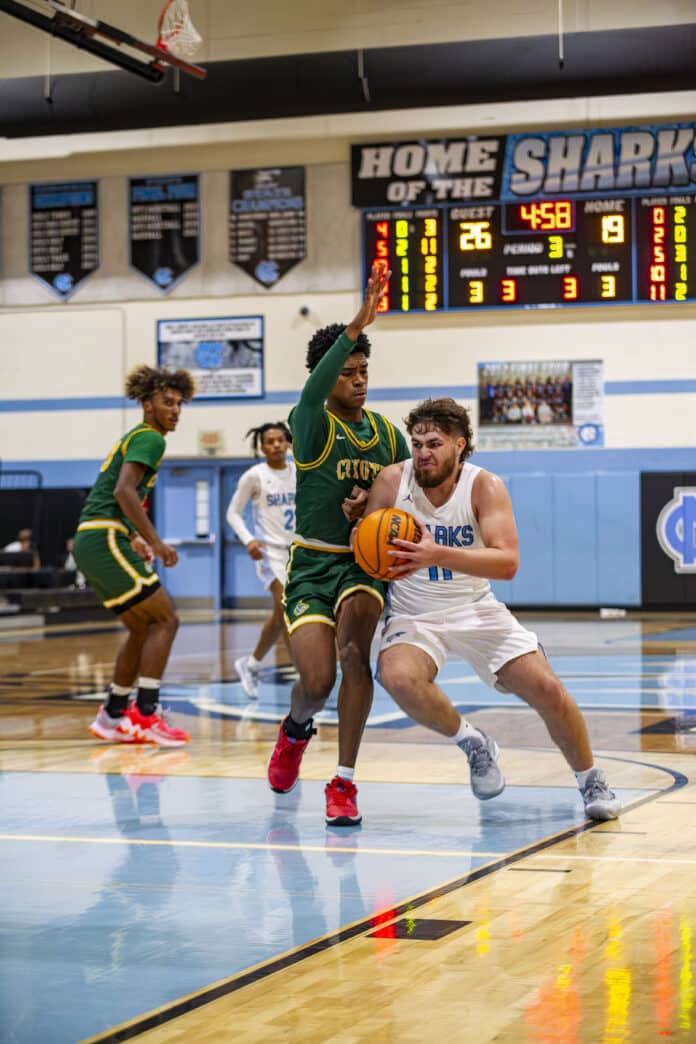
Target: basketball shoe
(284, 766)
(487, 781)
(600, 802)
(107, 728)
(152, 728)
(248, 677)
(342, 802)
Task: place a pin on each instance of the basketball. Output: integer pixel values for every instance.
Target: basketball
(374, 539)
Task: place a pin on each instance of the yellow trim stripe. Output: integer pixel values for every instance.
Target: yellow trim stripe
(103, 523)
(331, 549)
(392, 437)
(140, 581)
(314, 618)
(326, 450)
(351, 435)
(359, 587)
(137, 431)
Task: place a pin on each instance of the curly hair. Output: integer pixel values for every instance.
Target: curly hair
(448, 416)
(324, 338)
(257, 434)
(143, 381)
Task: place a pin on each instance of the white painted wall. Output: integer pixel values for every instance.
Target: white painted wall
(84, 347)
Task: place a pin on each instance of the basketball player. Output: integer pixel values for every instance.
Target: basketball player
(114, 546)
(441, 603)
(331, 606)
(270, 486)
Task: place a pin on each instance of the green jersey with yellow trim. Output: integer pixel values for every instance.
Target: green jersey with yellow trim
(140, 445)
(333, 455)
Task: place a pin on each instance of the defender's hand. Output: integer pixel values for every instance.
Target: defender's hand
(374, 292)
(354, 505)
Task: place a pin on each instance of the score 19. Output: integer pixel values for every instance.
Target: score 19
(613, 228)
(475, 235)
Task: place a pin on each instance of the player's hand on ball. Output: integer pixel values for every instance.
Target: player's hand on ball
(255, 549)
(413, 556)
(354, 505)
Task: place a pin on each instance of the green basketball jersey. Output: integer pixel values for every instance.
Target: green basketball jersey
(333, 455)
(141, 445)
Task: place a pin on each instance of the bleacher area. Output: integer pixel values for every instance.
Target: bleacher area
(30, 595)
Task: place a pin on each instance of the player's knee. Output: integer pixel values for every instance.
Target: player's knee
(553, 694)
(353, 659)
(396, 679)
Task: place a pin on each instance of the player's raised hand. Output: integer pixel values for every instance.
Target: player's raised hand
(374, 292)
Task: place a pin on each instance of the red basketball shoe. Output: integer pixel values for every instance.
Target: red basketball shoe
(342, 803)
(284, 766)
(107, 728)
(152, 728)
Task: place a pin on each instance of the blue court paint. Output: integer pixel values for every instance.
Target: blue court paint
(98, 931)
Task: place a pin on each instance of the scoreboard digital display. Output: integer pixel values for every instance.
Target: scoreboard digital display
(534, 254)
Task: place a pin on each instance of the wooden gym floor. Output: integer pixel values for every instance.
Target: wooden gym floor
(168, 895)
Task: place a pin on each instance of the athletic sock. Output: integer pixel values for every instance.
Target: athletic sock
(465, 731)
(117, 701)
(344, 772)
(148, 695)
(582, 776)
(296, 730)
(252, 663)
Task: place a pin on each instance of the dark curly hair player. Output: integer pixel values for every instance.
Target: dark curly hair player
(114, 548)
(331, 606)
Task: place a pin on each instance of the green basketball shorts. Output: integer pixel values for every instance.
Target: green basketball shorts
(103, 553)
(317, 583)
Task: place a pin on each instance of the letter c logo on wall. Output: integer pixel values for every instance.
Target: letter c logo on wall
(676, 529)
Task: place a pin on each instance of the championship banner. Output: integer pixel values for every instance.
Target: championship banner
(164, 227)
(224, 355)
(64, 234)
(267, 223)
(540, 405)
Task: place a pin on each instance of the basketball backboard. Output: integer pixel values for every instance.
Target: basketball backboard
(102, 39)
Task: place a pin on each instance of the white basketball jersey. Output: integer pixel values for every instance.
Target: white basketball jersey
(272, 495)
(434, 588)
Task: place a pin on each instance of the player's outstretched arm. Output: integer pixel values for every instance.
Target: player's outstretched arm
(374, 292)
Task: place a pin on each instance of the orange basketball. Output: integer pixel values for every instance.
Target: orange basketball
(374, 538)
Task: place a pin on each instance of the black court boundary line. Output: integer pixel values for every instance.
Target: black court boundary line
(225, 988)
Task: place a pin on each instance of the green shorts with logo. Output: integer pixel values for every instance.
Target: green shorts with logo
(111, 567)
(317, 583)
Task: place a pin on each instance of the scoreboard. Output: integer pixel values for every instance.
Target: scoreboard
(536, 253)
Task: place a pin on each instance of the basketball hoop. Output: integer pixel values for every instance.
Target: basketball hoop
(177, 33)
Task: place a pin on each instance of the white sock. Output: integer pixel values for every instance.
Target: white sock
(582, 776)
(465, 731)
(345, 773)
(253, 663)
(148, 683)
(120, 690)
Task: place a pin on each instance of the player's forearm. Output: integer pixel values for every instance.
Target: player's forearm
(237, 523)
(489, 563)
(129, 503)
(323, 377)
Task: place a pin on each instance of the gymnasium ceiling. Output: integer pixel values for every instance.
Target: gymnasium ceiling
(271, 60)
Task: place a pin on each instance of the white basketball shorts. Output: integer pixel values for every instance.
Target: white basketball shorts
(273, 565)
(484, 633)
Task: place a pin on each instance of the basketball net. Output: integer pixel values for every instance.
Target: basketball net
(177, 33)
